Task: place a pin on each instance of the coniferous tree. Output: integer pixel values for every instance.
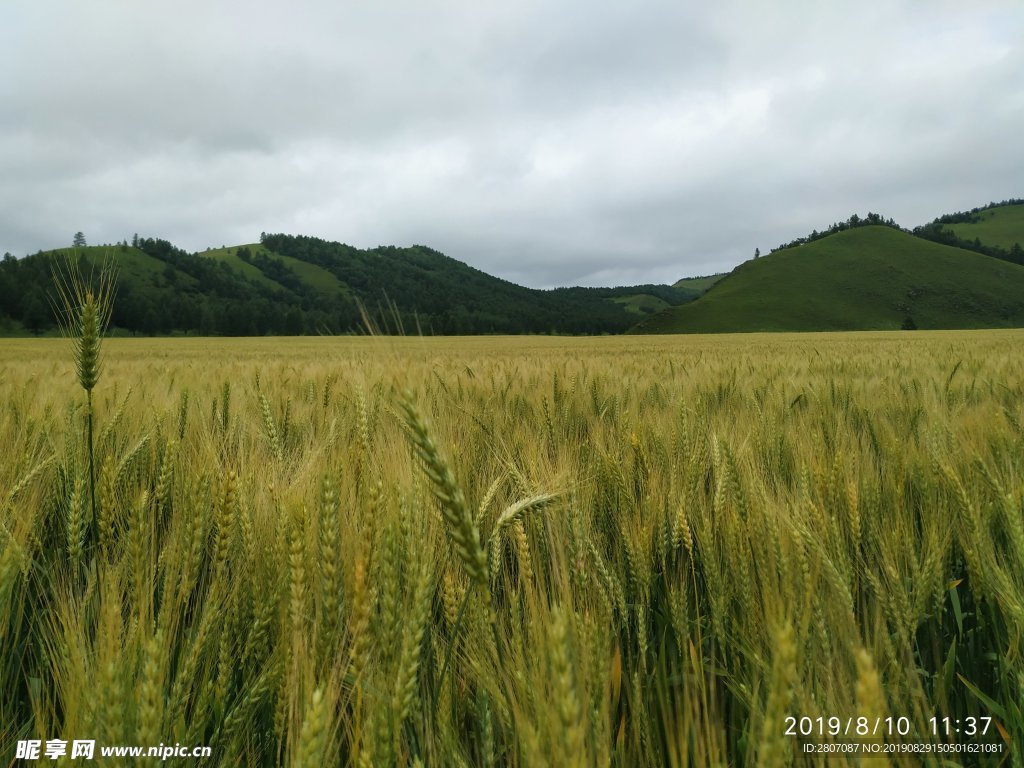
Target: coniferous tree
(36, 317)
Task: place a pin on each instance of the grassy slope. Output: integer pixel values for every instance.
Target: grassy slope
(700, 284)
(229, 256)
(1001, 226)
(648, 304)
(131, 263)
(641, 303)
(315, 276)
(866, 278)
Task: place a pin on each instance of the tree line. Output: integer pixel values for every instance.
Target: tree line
(855, 221)
(938, 232)
(973, 216)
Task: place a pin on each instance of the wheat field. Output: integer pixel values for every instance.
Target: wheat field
(515, 551)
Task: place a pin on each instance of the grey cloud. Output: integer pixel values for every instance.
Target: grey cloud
(568, 143)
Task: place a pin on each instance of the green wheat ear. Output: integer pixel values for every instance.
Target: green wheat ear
(461, 527)
(84, 306)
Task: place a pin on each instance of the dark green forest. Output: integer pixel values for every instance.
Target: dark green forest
(162, 290)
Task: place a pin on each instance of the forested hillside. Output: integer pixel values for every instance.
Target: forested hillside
(294, 285)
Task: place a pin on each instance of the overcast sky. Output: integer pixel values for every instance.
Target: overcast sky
(551, 143)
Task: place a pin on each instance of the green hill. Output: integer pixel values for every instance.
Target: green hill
(256, 262)
(871, 277)
(962, 270)
(698, 284)
(996, 230)
(132, 263)
(290, 285)
(1002, 226)
(27, 295)
(420, 288)
(229, 256)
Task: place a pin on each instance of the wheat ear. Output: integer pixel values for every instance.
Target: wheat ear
(84, 316)
(461, 527)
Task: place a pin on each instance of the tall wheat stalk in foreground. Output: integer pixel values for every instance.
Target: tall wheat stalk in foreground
(84, 305)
